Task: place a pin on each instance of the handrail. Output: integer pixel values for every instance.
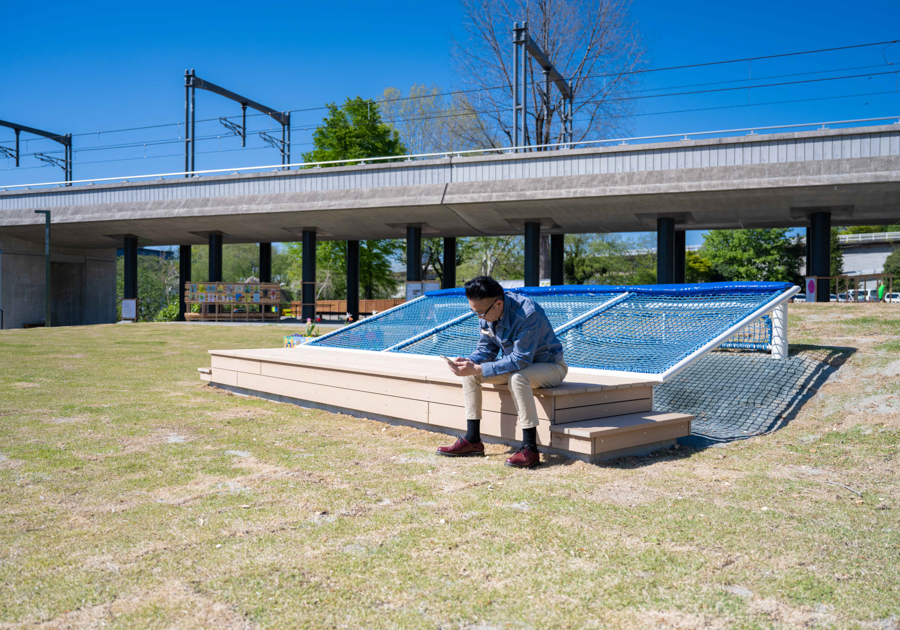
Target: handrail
(450, 154)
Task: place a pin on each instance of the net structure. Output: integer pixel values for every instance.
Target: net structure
(756, 336)
(638, 329)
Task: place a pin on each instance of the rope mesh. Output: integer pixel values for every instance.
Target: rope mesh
(460, 338)
(398, 324)
(649, 334)
(756, 336)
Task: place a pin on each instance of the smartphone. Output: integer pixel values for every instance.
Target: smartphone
(450, 361)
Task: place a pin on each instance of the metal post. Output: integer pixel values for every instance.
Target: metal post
(187, 122)
(780, 332)
(17, 146)
(820, 252)
(524, 86)
(557, 259)
(46, 214)
(184, 278)
(193, 123)
(449, 279)
(265, 262)
(515, 64)
(808, 250)
(413, 254)
(679, 255)
(353, 279)
(665, 246)
(532, 254)
(287, 147)
(308, 309)
(215, 257)
(130, 263)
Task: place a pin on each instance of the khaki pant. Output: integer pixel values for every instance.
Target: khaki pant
(520, 385)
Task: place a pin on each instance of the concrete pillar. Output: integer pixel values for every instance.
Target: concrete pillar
(413, 254)
(557, 259)
(449, 279)
(820, 253)
(215, 258)
(353, 279)
(679, 255)
(131, 268)
(546, 264)
(308, 292)
(184, 277)
(665, 248)
(265, 262)
(532, 254)
(779, 332)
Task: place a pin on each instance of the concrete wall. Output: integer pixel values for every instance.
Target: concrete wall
(82, 290)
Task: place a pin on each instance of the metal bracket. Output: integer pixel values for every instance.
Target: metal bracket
(281, 145)
(49, 159)
(236, 129)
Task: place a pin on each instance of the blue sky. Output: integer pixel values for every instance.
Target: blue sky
(83, 67)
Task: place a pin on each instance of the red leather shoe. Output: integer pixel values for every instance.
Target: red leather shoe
(524, 458)
(462, 448)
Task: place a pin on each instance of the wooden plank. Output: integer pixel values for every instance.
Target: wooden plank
(619, 424)
(593, 412)
(571, 443)
(494, 424)
(647, 435)
(376, 384)
(492, 399)
(235, 364)
(403, 408)
(602, 397)
(224, 377)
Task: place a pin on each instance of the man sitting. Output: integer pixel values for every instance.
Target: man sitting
(516, 327)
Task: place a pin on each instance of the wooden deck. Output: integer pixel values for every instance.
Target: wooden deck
(589, 416)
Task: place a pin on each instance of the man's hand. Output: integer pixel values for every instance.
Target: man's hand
(464, 367)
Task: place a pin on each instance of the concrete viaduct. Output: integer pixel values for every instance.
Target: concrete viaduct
(812, 179)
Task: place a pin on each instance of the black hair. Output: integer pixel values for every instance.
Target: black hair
(483, 287)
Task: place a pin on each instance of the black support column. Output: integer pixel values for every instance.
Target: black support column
(353, 279)
(265, 262)
(308, 310)
(215, 258)
(679, 254)
(129, 252)
(820, 253)
(532, 254)
(557, 259)
(413, 254)
(184, 278)
(449, 279)
(665, 248)
(808, 246)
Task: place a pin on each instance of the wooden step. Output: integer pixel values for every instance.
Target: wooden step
(620, 435)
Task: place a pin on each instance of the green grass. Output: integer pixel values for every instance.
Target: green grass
(120, 505)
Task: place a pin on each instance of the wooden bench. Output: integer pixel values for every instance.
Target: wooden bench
(589, 416)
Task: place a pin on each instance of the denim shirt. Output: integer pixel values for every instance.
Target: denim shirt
(523, 335)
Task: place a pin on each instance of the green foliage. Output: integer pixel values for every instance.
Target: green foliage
(354, 131)
(168, 314)
(697, 268)
(837, 258)
(745, 255)
(892, 264)
(376, 278)
(501, 257)
(608, 259)
(239, 262)
(157, 285)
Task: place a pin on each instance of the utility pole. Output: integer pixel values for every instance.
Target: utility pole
(46, 214)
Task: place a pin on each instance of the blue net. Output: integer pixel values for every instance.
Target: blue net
(642, 329)
(650, 334)
(459, 338)
(398, 324)
(756, 336)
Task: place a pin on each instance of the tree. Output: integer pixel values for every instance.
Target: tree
(354, 131)
(593, 43)
(427, 121)
(698, 268)
(158, 283)
(501, 257)
(837, 258)
(239, 262)
(892, 264)
(754, 254)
